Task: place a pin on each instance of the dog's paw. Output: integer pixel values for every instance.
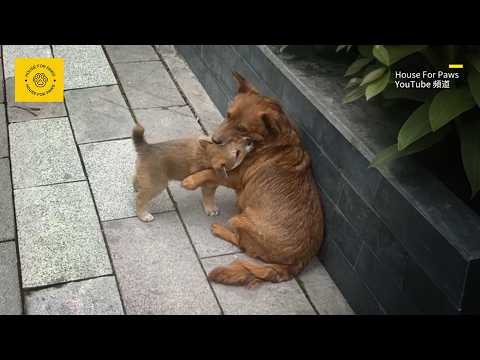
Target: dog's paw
(212, 212)
(189, 184)
(217, 229)
(147, 217)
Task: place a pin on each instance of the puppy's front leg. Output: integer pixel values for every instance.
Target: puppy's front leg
(208, 193)
(200, 178)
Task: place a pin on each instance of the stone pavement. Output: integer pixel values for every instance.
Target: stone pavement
(70, 242)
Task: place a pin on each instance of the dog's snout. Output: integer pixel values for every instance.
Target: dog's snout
(217, 140)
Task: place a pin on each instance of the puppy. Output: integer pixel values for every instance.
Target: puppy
(157, 164)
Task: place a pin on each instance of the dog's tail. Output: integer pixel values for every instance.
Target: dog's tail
(138, 136)
(247, 273)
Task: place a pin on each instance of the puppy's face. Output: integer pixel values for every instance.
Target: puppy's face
(229, 156)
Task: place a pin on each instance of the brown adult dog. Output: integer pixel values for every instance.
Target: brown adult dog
(281, 216)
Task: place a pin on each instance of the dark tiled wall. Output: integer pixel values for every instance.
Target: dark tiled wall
(364, 252)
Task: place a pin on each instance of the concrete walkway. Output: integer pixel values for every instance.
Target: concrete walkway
(70, 242)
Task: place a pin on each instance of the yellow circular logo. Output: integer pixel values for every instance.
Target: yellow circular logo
(40, 79)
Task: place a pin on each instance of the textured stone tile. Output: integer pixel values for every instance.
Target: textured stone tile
(98, 114)
(198, 223)
(85, 66)
(24, 111)
(130, 53)
(110, 167)
(215, 90)
(322, 291)
(208, 113)
(168, 124)
(89, 297)
(157, 268)
(11, 52)
(284, 298)
(59, 235)
(3, 133)
(43, 152)
(10, 301)
(148, 85)
(7, 220)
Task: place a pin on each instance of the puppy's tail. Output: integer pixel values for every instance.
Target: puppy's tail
(138, 137)
(247, 273)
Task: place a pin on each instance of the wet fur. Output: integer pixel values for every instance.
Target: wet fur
(281, 217)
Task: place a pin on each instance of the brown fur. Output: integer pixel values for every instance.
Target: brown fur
(281, 218)
(157, 164)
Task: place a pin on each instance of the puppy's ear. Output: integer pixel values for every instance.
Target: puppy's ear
(244, 85)
(270, 123)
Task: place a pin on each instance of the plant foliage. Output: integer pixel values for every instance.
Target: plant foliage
(372, 72)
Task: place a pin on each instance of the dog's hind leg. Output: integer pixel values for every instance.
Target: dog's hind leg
(144, 196)
(225, 234)
(135, 183)
(242, 233)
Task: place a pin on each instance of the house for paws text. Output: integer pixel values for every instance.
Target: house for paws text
(424, 79)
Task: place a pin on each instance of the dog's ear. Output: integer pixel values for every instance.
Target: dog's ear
(205, 140)
(270, 123)
(244, 85)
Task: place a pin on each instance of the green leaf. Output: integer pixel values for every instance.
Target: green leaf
(353, 95)
(377, 86)
(392, 152)
(340, 47)
(355, 81)
(389, 55)
(356, 66)
(469, 133)
(474, 59)
(373, 75)
(381, 53)
(416, 126)
(474, 83)
(448, 104)
(365, 50)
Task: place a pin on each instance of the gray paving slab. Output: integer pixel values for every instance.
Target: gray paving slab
(3, 133)
(88, 297)
(322, 291)
(25, 111)
(10, 301)
(168, 124)
(148, 85)
(11, 52)
(205, 109)
(285, 298)
(110, 167)
(157, 269)
(7, 217)
(130, 53)
(85, 66)
(59, 235)
(198, 223)
(43, 152)
(98, 114)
